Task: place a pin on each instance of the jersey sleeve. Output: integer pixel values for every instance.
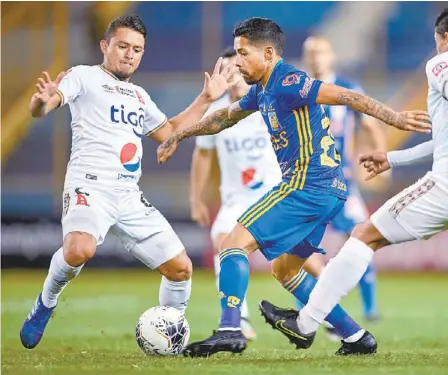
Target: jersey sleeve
(155, 118)
(296, 89)
(72, 85)
(437, 73)
(249, 101)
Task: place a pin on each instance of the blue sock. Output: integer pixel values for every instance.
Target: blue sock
(367, 287)
(301, 286)
(233, 282)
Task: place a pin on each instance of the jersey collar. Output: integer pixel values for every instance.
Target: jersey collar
(279, 62)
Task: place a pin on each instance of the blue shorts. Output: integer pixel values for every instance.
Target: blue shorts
(290, 221)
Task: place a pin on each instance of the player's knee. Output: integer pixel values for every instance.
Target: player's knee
(179, 268)
(367, 233)
(79, 247)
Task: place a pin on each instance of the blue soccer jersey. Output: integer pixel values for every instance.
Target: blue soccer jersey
(299, 129)
(292, 217)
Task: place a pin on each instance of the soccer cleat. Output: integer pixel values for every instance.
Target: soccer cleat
(34, 325)
(220, 341)
(365, 345)
(248, 329)
(285, 321)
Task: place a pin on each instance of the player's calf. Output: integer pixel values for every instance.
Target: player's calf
(175, 286)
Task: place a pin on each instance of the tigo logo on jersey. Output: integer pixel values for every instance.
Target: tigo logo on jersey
(251, 179)
(133, 118)
(129, 158)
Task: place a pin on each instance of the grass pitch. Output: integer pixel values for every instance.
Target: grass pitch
(92, 331)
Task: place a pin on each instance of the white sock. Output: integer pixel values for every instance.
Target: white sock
(340, 275)
(174, 293)
(59, 275)
(244, 308)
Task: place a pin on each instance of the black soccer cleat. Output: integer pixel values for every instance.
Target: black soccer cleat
(220, 341)
(364, 346)
(285, 321)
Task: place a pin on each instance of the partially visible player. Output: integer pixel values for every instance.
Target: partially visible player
(110, 117)
(319, 59)
(418, 212)
(288, 223)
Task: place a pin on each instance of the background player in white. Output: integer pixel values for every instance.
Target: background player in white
(248, 169)
(110, 115)
(346, 126)
(418, 212)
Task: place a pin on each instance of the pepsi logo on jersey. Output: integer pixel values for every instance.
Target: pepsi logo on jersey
(251, 179)
(129, 157)
(120, 115)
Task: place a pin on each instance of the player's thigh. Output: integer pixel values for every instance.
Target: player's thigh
(284, 218)
(87, 210)
(224, 223)
(145, 232)
(419, 211)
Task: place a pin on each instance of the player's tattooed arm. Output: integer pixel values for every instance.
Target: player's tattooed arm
(417, 121)
(212, 124)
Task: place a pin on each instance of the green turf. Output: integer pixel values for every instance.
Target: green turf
(93, 329)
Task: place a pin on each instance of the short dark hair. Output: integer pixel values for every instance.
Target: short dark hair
(259, 30)
(132, 22)
(442, 22)
(228, 52)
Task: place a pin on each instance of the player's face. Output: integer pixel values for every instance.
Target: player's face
(319, 57)
(251, 60)
(237, 86)
(123, 52)
(441, 42)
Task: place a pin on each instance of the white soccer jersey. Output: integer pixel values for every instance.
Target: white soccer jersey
(109, 118)
(248, 164)
(437, 73)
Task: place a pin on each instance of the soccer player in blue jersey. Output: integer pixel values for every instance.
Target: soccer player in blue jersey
(319, 58)
(287, 224)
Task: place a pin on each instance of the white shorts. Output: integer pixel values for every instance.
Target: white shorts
(142, 229)
(418, 212)
(226, 220)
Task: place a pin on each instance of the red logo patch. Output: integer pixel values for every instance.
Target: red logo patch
(439, 68)
(140, 98)
(291, 79)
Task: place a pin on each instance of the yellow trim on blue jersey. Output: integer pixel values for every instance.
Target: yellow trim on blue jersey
(306, 147)
(264, 205)
(299, 167)
(305, 116)
(285, 191)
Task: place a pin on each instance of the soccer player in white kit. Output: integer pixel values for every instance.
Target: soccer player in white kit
(418, 212)
(110, 116)
(248, 169)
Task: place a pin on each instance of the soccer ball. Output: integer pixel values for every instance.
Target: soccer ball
(162, 330)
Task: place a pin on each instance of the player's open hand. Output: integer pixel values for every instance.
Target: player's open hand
(200, 213)
(46, 88)
(216, 84)
(167, 149)
(375, 163)
(415, 121)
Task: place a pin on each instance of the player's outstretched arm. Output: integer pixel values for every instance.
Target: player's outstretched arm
(46, 98)
(416, 121)
(212, 124)
(379, 161)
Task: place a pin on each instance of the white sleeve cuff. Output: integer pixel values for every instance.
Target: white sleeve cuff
(409, 156)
